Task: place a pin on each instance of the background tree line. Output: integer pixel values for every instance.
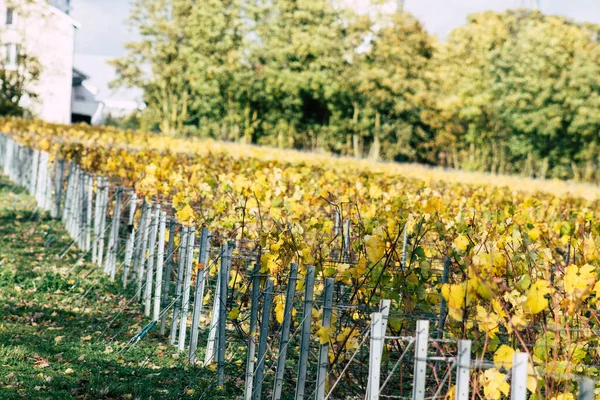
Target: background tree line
(512, 92)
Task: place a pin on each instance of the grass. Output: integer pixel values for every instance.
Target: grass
(58, 339)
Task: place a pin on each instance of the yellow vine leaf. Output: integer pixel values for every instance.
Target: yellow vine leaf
(279, 308)
(503, 357)
(563, 396)
(234, 313)
(186, 214)
(375, 247)
(488, 322)
(461, 242)
(578, 282)
(536, 301)
(494, 384)
(455, 296)
(324, 334)
(589, 248)
(531, 379)
(534, 233)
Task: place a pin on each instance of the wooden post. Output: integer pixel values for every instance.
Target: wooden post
(130, 238)
(209, 356)
(81, 211)
(222, 324)
(443, 304)
(262, 344)
(199, 294)
(48, 203)
(185, 301)
(111, 240)
(144, 251)
(285, 331)
(463, 367)
(586, 389)
(103, 207)
(347, 241)
(384, 309)
(66, 211)
(518, 389)
(160, 258)
(309, 286)
(41, 179)
(375, 355)
(34, 169)
(58, 187)
(137, 254)
(179, 287)
(150, 268)
(97, 207)
(250, 359)
(88, 219)
(404, 244)
(116, 226)
(73, 203)
(420, 370)
(143, 244)
(167, 281)
(324, 348)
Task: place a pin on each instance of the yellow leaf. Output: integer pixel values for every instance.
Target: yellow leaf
(494, 384)
(375, 247)
(503, 357)
(461, 242)
(534, 233)
(536, 301)
(234, 313)
(186, 214)
(279, 308)
(488, 322)
(324, 334)
(531, 379)
(58, 339)
(578, 282)
(455, 296)
(590, 250)
(69, 371)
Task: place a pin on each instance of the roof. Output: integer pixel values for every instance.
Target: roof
(67, 17)
(78, 77)
(60, 14)
(100, 75)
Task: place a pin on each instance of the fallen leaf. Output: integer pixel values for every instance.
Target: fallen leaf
(42, 363)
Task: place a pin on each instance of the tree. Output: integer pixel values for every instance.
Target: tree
(299, 47)
(16, 84)
(517, 93)
(157, 63)
(393, 83)
(19, 72)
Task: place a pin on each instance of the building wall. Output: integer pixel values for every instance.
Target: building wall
(48, 35)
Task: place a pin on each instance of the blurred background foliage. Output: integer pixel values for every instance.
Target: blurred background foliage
(511, 92)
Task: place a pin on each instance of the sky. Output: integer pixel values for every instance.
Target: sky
(104, 28)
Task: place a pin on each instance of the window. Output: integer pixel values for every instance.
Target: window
(10, 13)
(12, 52)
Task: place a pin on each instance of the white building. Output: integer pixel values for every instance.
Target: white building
(47, 34)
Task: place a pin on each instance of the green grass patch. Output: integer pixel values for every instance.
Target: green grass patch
(62, 323)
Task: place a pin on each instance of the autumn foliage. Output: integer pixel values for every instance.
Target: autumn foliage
(524, 264)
